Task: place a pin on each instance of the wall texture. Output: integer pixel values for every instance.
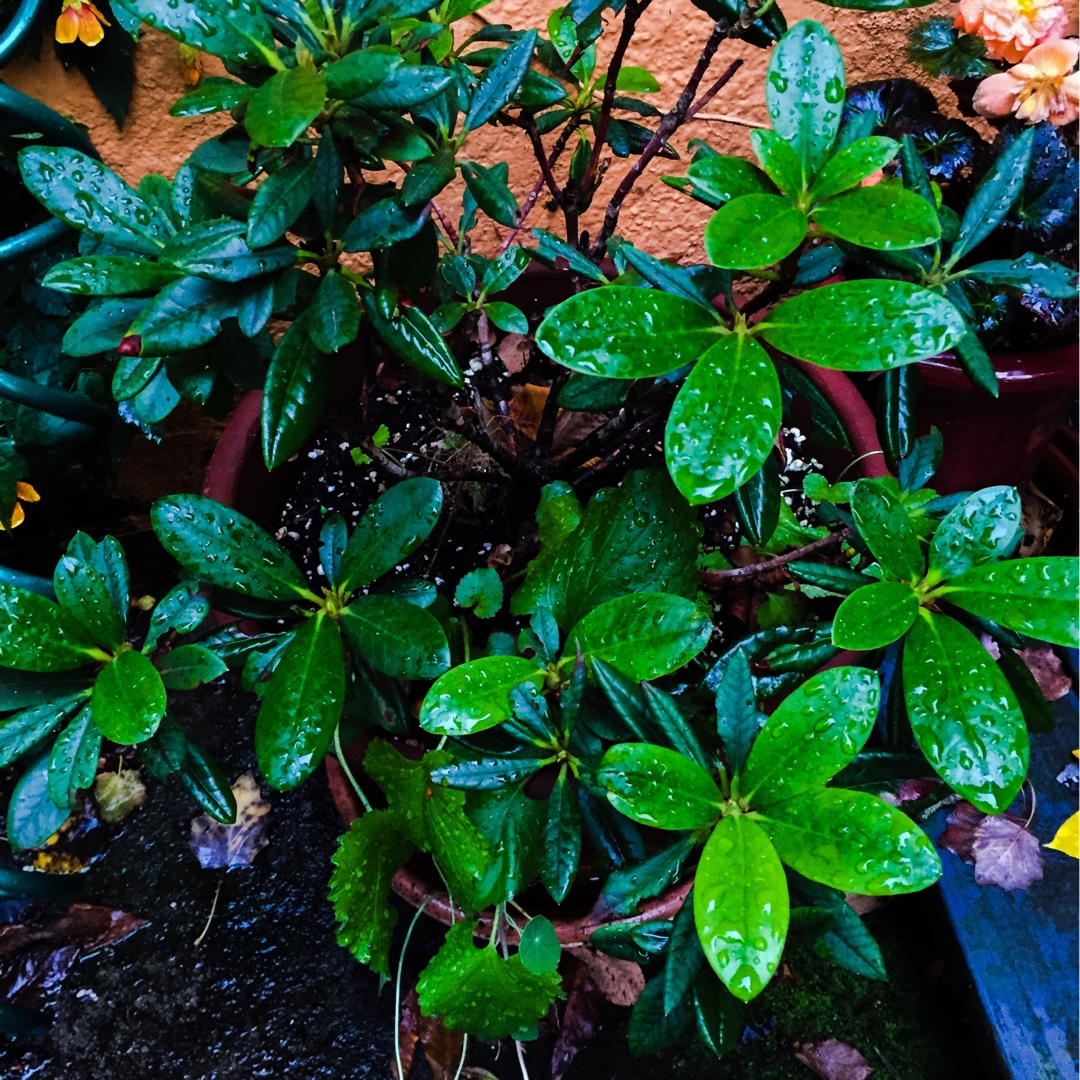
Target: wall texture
(668, 42)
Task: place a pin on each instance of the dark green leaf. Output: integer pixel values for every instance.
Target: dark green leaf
(37, 635)
(189, 666)
(1038, 715)
(488, 186)
(963, 713)
(753, 231)
(899, 390)
(539, 949)
(887, 529)
(651, 1029)
(23, 730)
(410, 335)
(626, 888)
(302, 704)
(500, 82)
(985, 527)
(737, 717)
(128, 699)
(758, 499)
(74, 760)
(719, 1014)
(84, 595)
(333, 320)
(396, 637)
(685, 959)
(741, 906)
(377, 78)
(562, 838)
(636, 941)
(279, 201)
(235, 31)
(213, 94)
(671, 726)
(560, 255)
(109, 275)
(847, 942)
(283, 108)
(476, 695)
(1029, 272)
(184, 315)
(837, 579)
(32, 817)
(383, 224)
(180, 609)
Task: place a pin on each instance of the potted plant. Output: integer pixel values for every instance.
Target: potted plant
(583, 709)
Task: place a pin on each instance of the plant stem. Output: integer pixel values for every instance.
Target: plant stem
(77, 408)
(715, 578)
(671, 122)
(521, 1059)
(213, 908)
(397, 989)
(347, 771)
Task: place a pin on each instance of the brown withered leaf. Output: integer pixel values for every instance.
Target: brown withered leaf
(442, 1047)
(514, 351)
(1038, 518)
(620, 981)
(1006, 853)
(959, 834)
(38, 954)
(1045, 665)
(579, 1019)
(527, 408)
(834, 1060)
(216, 845)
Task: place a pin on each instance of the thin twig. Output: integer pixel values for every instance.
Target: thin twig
(550, 417)
(715, 578)
(671, 122)
(213, 908)
(727, 118)
(445, 222)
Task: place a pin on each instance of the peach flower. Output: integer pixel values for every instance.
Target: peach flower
(79, 19)
(1040, 88)
(1011, 27)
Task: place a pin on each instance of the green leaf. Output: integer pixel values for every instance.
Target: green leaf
(741, 906)
(812, 735)
(943, 51)
(724, 419)
(1028, 273)
(488, 186)
(184, 315)
(473, 990)
(983, 528)
(651, 1028)
(719, 1014)
(302, 704)
(626, 333)
(475, 695)
(37, 635)
(128, 699)
(847, 942)
(101, 327)
(180, 609)
(852, 841)
(410, 335)
(753, 231)
(23, 730)
(500, 82)
(32, 816)
(283, 108)
(885, 217)
(636, 941)
(673, 727)
(109, 275)
(1036, 597)
(297, 391)
(852, 164)
(562, 838)
(481, 590)
(235, 31)
(84, 595)
(378, 78)
(779, 160)
(887, 529)
(644, 635)
(333, 320)
(737, 717)
(804, 92)
(392, 528)
(685, 959)
(836, 579)
(560, 255)
(365, 862)
(873, 617)
(864, 325)
(506, 317)
(396, 637)
(189, 666)
(427, 178)
(511, 821)
(225, 548)
(994, 196)
(383, 224)
(214, 94)
(1038, 714)
(963, 713)
(659, 787)
(717, 180)
(540, 950)
(80, 190)
(74, 760)
(626, 888)
(279, 200)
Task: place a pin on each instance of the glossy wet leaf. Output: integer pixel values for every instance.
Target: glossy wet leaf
(540, 950)
(812, 735)
(643, 635)
(656, 786)
(737, 717)
(23, 730)
(489, 187)
(667, 718)
(724, 419)
(626, 333)
(302, 704)
(284, 106)
(652, 1028)
(852, 841)
(37, 635)
(983, 528)
(215, 93)
(754, 231)
(334, 315)
(642, 879)
(475, 990)
(719, 179)
(109, 275)
(225, 548)
(875, 616)
(963, 713)
(779, 160)
(189, 666)
(32, 817)
(500, 82)
(128, 698)
(74, 760)
(846, 942)
(279, 200)
(719, 1015)
(888, 532)
(84, 594)
(181, 609)
(852, 164)
(476, 695)
(864, 325)
(391, 529)
(367, 858)
(685, 959)
(885, 217)
(741, 906)
(562, 837)
(235, 30)
(186, 314)
(1036, 597)
(378, 78)
(396, 637)
(804, 92)
(412, 336)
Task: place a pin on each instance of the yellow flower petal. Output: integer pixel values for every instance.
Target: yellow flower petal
(26, 492)
(67, 26)
(1067, 839)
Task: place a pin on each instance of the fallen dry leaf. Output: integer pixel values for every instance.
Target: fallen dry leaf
(216, 845)
(1038, 518)
(1006, 854)
(959, 834)
(1045, 665)
(834, 1060)
(442, 1047)
(1067, 838)
(514, 351)
(620, 981)
(580, 1019)
(118, 793)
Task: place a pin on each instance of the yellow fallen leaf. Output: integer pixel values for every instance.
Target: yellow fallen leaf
(1068, 837)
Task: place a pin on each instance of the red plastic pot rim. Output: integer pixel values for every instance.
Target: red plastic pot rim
(1055, 368)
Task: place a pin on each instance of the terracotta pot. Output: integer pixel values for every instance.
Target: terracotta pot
(998, 440)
